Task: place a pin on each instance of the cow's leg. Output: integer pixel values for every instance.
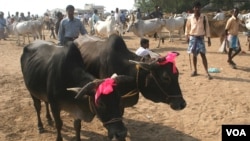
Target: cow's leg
(23, 39)
(35, 36)
(38, 35)
(37, 105)
(77, 126)
(159, 42)
(155, 35)
(48, 116)
(169, 36)
(18, 40)
(28, 38)
(56, 114)
(248, 42)
(180, 32)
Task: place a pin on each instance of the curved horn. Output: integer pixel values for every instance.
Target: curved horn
(134, 62)
(75, 89)
(86, 89)
(123, 79)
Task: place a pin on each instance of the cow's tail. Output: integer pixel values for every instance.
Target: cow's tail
(184, 27)
(43, 35)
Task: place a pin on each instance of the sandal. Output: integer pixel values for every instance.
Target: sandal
(209, 77)
(233, 66)
(194, 74)
(231, 62)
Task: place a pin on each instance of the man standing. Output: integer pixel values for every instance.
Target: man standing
(22, 17)
(2, 26)
(123, 20)
(70, 27)
(138, 14)
(231, 31)
(197, 27)
(117, 16)
(94, 19)
(16, 17)
(28, 17)
(157, 13)
(59, 16)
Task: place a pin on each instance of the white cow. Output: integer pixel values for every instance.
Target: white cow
(28, 27)
(146, 27)
(247, 23)
(174, 24)
(39, 27)
(107, 27)
(219, 16)
(185, 15)
(244, 17)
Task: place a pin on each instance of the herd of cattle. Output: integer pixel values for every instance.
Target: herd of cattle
(79, 77)
(140, 28)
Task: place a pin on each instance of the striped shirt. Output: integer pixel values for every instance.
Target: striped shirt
(70, 28)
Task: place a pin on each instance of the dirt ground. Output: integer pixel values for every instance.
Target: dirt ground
(210, 103)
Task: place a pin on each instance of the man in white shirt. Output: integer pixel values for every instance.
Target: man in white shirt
(144, 51)
(219, 15)
(117, 16)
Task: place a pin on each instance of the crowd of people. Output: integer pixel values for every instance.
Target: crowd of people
(67, 28)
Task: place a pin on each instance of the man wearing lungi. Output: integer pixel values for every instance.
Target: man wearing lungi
(197, 27)
(231, 31)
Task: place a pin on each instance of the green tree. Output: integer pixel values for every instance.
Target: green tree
(178, 6)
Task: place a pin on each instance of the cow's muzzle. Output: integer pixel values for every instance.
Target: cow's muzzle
(177, 103)
(117, 131)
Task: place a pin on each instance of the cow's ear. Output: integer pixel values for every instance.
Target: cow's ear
(123, 79)
(88, 89)
(177, 53)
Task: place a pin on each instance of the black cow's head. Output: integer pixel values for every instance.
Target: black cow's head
(158, 81)
(106, 104)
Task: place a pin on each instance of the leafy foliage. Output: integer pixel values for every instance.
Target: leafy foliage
(178, 6)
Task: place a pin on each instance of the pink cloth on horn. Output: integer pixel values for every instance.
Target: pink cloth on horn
(105, 88)
(170, 58)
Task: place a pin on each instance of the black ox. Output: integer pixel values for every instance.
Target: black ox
(155, 82)
(49, 70)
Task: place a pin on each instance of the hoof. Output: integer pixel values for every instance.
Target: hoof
(41, 130)
(50, 122)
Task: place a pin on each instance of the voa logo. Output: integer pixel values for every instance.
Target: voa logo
(236, 132)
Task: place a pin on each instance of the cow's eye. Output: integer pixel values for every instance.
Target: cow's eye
(100, 105)
(166, 78)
